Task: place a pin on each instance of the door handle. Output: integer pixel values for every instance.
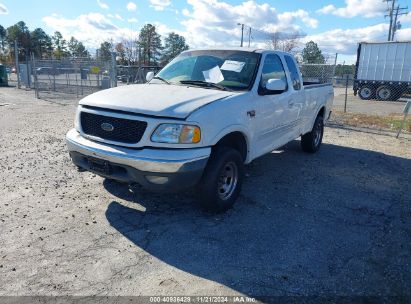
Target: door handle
(251, 113)
(291, 103)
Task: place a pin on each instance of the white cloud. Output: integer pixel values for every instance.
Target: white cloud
(214, 22)
(102, 4)
(403, 34)
(353, 8)
(160, 5)
(3, 9)
(405, 18)
(346, 41)
(291, 17)
(328, 9)
(132, 20)
(118, 17)
(186, 12)
(131, 6)
(91, 29)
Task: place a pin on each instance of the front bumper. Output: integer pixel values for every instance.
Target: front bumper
(155, 169)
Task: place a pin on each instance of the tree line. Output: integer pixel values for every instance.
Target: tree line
(38, 43)
(146, 49)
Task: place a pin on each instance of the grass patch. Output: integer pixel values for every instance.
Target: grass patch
(390, 122)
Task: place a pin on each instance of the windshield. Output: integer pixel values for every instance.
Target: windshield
(233, 70)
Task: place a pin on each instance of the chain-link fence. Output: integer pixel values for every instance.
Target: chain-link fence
(375, 112)
(70, 78)
(381, 90)
(75, 78)
(347, 93)
(12, 76)
(134, 73)
(317, 73)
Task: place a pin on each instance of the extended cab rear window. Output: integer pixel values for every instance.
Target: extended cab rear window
(295, 78)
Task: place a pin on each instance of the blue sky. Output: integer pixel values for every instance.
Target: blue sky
(337, 25)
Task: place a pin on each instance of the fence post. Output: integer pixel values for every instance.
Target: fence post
(16, 55)
(75, 71)
(113, 69)
(346, 93)
(33, 66)
(54, 70)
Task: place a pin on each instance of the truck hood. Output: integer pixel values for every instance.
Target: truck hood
(174, 101)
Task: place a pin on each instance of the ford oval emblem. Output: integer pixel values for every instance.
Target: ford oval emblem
(107, 127)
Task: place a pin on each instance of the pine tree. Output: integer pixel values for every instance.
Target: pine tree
(174, 45)
(312, 54)
(150, 45)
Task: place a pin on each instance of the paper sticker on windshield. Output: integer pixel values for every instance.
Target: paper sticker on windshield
(234, 66)
(214, 75)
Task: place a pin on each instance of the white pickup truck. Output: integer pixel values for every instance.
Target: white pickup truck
(199, 121)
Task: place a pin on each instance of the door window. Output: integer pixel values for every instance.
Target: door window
(272, 69)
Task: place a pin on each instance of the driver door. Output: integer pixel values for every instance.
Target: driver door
(272, 117)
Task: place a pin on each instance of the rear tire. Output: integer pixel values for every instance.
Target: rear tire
(366, 92)
(222, 180)
(385, 93)
(311, 142)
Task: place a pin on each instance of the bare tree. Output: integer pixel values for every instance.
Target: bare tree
(131, 50)
(284, 42)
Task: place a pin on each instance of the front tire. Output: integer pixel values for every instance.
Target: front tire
(311, 142)
(366, 92)
(222, 180)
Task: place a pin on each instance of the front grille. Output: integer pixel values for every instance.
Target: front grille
(124, 130)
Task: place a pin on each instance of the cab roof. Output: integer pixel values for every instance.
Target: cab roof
(243, 49)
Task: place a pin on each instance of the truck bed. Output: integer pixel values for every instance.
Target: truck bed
(312, 85)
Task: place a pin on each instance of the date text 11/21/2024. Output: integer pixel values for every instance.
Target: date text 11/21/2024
(202, 299)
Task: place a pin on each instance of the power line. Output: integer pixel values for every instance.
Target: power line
(397, 24)
(258, 34)
(393, 12)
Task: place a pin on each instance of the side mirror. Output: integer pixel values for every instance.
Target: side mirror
(278, 85)
(149, 76)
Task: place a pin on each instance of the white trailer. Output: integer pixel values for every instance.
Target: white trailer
(383, 70)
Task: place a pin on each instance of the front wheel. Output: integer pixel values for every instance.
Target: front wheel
(311, 142)
(366, 92)
(222, 180)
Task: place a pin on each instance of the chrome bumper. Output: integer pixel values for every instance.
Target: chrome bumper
(140, 164)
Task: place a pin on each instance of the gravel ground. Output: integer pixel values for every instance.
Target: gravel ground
(333, 223)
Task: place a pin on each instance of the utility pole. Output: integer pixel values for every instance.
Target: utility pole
(393, 12)
(390, 14)
(395, 26)
(249, 36)
(242, 33)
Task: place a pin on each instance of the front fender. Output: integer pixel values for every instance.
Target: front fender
(231, 129)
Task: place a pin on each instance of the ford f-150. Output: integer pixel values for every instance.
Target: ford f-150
(199, 121)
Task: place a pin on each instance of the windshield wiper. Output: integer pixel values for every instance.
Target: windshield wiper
(204, 84)
(162, 79)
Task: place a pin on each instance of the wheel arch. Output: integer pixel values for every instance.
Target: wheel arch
(234, 138)
(322, 110)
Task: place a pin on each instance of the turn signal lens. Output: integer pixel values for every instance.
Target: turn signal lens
(190, 135)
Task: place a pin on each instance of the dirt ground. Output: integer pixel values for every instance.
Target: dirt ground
(337, 223)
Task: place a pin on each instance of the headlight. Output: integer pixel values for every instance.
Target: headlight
(176, 134)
